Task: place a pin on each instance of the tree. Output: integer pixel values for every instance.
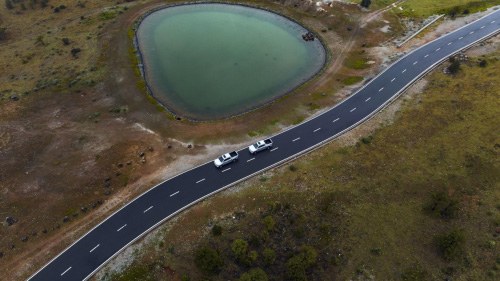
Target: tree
(208, 260)
(298, 264)
(254, 274)
(366, 3)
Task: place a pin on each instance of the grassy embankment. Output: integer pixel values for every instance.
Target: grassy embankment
(417, 200)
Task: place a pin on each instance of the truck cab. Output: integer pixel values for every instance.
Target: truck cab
(226, 159)
(260, 145)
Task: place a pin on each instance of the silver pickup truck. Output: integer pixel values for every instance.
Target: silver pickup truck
(226, 159)
(260, 145)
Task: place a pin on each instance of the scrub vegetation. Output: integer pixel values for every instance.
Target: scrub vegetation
(416, 200)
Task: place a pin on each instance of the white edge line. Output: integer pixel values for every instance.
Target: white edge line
(286, 159)
(175, 193)
(97, 246)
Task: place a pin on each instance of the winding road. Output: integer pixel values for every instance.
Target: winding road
(83, 258)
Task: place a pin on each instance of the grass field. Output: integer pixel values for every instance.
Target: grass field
(417, 200)
(425, 8)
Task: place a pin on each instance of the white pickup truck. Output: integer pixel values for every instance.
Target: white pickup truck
(226, 159)
(260, 145)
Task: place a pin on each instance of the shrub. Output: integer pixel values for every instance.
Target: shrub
(483, 63)
(415, 273)
(75, 51)
(239, 248)
(443, 206)
(9, 5)
(365, 3)
(292, 168)
(255, 274)
(208, 260)
(269, 223)
(297, 265)
(450, 245)
(269, 256)
(216, 230)
(454, 66)
(3, 33)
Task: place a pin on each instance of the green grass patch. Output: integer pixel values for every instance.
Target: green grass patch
(352, 80)
(356, 62)
(425, 8)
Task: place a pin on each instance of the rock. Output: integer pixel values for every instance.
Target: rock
(190, 146)
(151, 149)
(83, 209)
(12, 246)
(66, 219)
(129, 163)
(143, 160)
(10, 221)
(169, 146)
(142, 153)
(107, 179)
(107, 184)
(1, 254)
(14, 97)
(120, 165)
(24, 238)
(44, 231)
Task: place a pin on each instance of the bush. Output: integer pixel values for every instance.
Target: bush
(3, 33)
(483, 63)
(454, 66)
(9, 5)
(269, 256)
(365, 3)
(451, 245)
(292, 168)
(297, 265)
(269, 223)
(415, 273)
(255, 274)
(208, 260)
(239, 248)
(443, 206)
(216, 230)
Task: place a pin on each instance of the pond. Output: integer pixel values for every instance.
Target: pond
(212, 61)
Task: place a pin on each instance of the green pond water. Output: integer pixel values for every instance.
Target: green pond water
(210, 61)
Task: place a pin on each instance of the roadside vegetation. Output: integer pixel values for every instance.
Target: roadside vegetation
(416, 200)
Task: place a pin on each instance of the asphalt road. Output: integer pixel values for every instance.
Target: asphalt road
(82, 259)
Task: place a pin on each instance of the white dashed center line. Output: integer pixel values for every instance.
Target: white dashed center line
(472, 32)
(226, 170)
(438, 49)
(404, 71)
(94, 248)
(250, 159)
(393, 80)
(492, 21)
(175, 193)
(335, 120)
(415, 62)
(150, 207)
(296, 139)
(368, 99)
(123, 226)
(449, 44)
(66, 271)
(200, 180)
(274, 149)
(483, 27)
(460, 38)
(316, 130)
(381, 89)
(352, 109)
(426, 56)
